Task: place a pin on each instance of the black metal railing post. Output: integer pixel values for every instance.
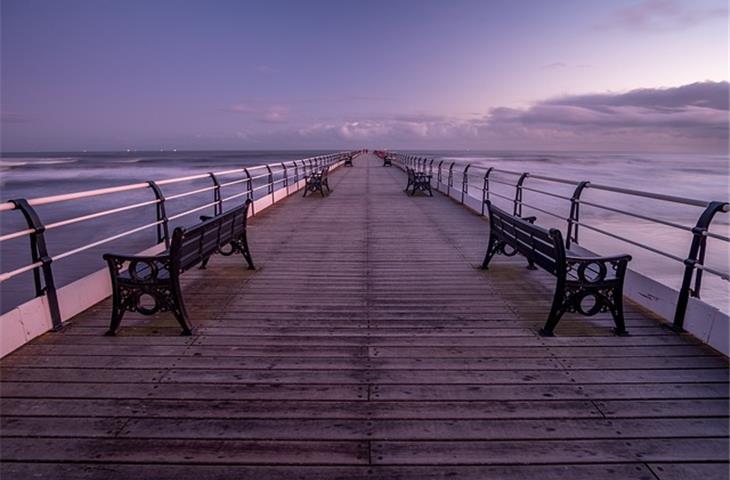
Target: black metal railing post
(699, 238)
(465, 182)
(450, 180)
(218, 207)
(574, 217)
(270, 188)
(485, 188)
(430, 168)
(249, 189)
(518, 194)
(439, 176)
(286, 178)
(163, 230)
(39, 253)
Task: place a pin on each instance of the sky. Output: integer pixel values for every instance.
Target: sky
(620, 75)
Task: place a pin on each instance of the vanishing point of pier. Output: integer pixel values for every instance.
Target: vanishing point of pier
(367, 344)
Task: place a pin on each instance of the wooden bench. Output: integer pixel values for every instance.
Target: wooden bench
(587, 285)
(151, 284)
(387, 161)
(317, 181)
(418, 181)
(348, 161)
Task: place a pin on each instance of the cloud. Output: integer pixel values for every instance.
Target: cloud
(694, 115)
(662, 15)
(261, 113)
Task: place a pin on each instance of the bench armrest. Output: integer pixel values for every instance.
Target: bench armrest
(140, 267)
(597, 269)
(624, 258)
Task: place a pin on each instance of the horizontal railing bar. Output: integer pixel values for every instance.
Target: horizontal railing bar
(654, 196)
(637, 215)
(632, 242)
(543, 211)
(192, 210)
(18, 234)
(192, 192)
(103, 241)
(545, 178)
(103, 213)
(234, 196)
(562, 197)
(234, 182)
(88, 193)
(502, 196)
(8, 275)
(717, 236)
(265, 185)
(723, 275)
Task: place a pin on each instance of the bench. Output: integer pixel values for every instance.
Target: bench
(317, 181)
(418, 181)
(586, 285)
(151, 284)
(348, 161)
(387, 161)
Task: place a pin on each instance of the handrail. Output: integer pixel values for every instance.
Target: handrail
(36, 228)
(694, 263)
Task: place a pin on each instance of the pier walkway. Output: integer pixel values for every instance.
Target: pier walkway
(367, 345)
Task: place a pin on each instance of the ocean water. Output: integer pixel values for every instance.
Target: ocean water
(31, 175)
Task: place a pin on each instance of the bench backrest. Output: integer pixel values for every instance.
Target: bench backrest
(544, 247)
(192, 245)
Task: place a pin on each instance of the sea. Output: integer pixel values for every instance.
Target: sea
(697, 176)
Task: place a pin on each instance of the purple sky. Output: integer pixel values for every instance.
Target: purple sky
(627, 75)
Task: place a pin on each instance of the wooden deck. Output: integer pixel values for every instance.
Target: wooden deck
(367, 345)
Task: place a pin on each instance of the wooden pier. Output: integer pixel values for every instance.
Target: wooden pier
(368, 345)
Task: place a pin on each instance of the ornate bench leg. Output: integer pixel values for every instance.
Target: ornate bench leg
(246, 252)
(492, 248)
(117, 314)
(556, 312)
(179, 310)
(617, 311)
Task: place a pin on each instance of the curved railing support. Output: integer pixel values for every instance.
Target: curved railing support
(696, 257)
(163, 231)
(485, 188)
(39, 253)
(518, 194)
(574, 217)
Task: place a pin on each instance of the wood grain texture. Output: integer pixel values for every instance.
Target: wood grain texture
(367, 345)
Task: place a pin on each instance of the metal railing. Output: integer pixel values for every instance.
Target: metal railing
(694, 266)
(258, 182)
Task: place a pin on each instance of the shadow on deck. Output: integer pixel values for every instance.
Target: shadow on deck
(367, 345)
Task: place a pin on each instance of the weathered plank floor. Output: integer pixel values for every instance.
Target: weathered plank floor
(367, 345)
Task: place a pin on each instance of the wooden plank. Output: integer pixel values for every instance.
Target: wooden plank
(117, 471)
(550, 451)
(355, 409)
(683, 471)
(183, 451)
(548, 391)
